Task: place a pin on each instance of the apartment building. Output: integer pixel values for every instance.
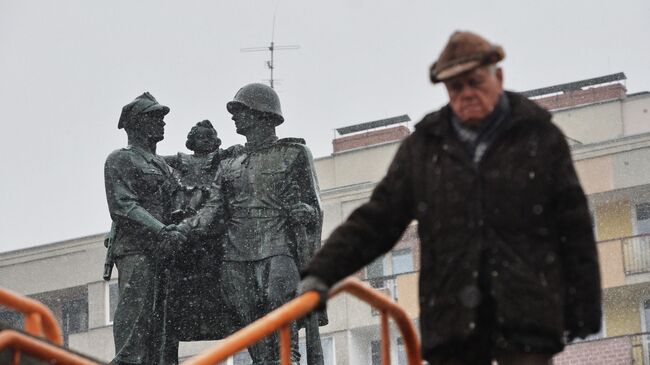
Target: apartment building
(609, 131)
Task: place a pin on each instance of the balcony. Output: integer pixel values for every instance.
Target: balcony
(624, 261)
(627, 349)
(402, 288)
(636, 254)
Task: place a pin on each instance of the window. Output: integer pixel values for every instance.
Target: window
(242, 358)
(643, 218)
(112, 298)
(375, 352)
(328, 351)
(375, 273)
(11, 318)
(74, 317)
(402, 261)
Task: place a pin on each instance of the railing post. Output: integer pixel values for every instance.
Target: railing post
(385, 339)
(301, 306)
(285, 345)
(33, 324)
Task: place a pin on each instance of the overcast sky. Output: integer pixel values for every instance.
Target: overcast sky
(67, 67)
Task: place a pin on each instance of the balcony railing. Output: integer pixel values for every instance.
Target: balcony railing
(628, 349)
(636, 254)
(387, 284)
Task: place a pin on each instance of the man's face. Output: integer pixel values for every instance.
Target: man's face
(245, 121)
(473, 95)
(152, 126)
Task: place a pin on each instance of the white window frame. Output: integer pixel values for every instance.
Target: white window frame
(322, 339)
(392, 262)
(107, 301)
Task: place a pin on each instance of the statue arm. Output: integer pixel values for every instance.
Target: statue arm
(305, 186)
(304, 176)
(173, 160)
(211, 215)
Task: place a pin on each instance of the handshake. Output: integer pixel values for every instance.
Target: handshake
(173, 237)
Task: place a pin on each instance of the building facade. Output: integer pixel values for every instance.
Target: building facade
(609, 133)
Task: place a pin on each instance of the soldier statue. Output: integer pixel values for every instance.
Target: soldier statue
(139, 189)
(266, 200)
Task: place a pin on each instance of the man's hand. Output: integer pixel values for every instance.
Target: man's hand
(312, 283)
(171, 239)
(302, 213)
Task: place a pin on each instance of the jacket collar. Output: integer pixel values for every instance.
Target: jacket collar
(150, 158)
(521, 108)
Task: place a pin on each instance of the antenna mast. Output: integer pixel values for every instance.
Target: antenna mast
(272, 48)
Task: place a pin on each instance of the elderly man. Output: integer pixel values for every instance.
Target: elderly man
(509, 264)
(139, 188)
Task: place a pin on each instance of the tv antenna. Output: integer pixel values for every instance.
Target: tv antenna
(270, 64)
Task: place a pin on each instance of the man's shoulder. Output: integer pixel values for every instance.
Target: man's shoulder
(292, 146)
(432, 122)
(120, 155)
(523, 108)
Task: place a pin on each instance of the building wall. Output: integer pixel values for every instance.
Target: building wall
(592, 123)
(611, 263)
(622, 306)
(613, 220)
(636, 114)
(616, 351)
(354, 166)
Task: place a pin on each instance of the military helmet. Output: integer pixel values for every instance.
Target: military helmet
(258, 97)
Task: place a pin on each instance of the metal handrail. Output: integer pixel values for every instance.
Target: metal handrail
(299, 307)
(39, 349)
(39, 320)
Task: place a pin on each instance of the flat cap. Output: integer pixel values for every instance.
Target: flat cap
(144, 103)
(464, 51)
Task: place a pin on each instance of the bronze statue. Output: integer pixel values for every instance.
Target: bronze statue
(266, 200)
(195, 296)
(139, 189)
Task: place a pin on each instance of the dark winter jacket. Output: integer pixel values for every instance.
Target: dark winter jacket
(521, 209)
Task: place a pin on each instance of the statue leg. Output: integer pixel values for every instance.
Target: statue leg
(132, 324)
(241, 298)
(277, 278)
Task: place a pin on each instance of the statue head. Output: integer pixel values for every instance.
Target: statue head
(203, 138)
(255, 106)
(143, 117)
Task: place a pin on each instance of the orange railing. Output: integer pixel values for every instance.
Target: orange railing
(280, 319)
(39, 320)
(21, 342)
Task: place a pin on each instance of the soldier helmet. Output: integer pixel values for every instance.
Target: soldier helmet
(258, 97)
(464, 51)
(144, 103)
